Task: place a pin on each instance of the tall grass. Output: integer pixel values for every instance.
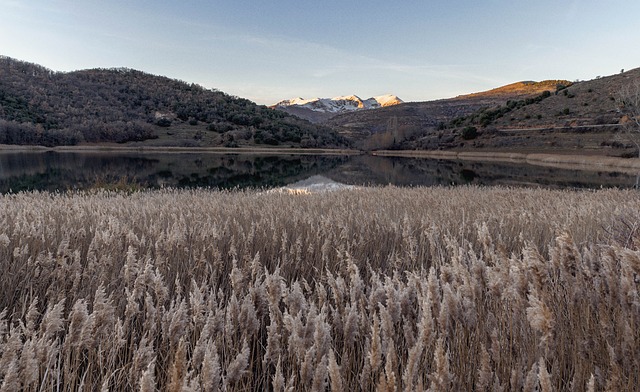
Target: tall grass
(383, 289)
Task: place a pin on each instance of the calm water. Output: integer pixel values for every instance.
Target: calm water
(21, 171)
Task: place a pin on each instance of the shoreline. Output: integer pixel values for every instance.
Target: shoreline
(181, 150)
(562, 161)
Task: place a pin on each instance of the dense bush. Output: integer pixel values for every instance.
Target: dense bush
(469, 133)
(163, 122)
(12, 132)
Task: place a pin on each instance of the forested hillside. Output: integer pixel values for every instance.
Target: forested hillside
(39, 106)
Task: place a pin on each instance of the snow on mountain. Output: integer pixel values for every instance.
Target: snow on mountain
(388, 100)
(342, 104)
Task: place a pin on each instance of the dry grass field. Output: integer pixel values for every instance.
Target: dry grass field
(375, 289)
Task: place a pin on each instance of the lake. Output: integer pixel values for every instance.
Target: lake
(20, 171)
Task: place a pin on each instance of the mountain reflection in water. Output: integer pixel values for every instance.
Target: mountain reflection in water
(20, 171)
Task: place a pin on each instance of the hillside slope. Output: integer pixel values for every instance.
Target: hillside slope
(520, 89)
(550, 116)
(390, 126)
(583, 118)
(40, 106)
(583, 103)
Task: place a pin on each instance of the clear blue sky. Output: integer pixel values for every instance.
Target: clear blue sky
(271, 50)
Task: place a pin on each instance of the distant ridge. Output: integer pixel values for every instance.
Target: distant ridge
(319, 110)
(341, 104)
(521, 89)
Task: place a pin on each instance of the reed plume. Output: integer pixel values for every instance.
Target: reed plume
(385, 289)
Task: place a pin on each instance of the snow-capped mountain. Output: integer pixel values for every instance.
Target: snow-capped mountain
(342, 104)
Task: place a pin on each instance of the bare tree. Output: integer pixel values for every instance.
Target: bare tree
(628, 102)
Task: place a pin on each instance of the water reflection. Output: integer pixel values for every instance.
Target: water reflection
(431, 172)
(63, 171)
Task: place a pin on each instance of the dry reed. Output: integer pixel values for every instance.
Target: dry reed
(382, 289)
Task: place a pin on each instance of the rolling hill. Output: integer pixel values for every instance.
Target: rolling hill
(43, 107)
(389, 127)
(39, 106)
(551, 116)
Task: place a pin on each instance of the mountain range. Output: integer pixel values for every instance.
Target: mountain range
(39, 106)
(342, 104)
(318, 110)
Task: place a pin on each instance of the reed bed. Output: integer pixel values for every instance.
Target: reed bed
(374, 289)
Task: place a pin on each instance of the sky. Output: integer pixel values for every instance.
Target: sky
(267, 51)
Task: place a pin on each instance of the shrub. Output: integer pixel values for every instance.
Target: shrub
(163, 122)
(469, 133)
(220, 127)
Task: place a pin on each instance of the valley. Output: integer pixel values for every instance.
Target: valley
(124, 108)
(553, 116)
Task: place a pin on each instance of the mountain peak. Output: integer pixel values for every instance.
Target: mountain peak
(388, 100)
(341, 104)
